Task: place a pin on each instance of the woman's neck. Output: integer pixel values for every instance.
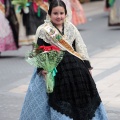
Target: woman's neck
(60, 27)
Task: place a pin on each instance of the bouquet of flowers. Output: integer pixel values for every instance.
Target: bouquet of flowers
(46, 57)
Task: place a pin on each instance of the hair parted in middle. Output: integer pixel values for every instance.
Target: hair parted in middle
(55, 3)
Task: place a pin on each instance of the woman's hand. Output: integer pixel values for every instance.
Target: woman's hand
(44, 72)
(90, 72)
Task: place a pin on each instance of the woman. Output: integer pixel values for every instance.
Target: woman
(30, 19)
(75, 96)
(114, 13)
(11, 16)
(6, 35)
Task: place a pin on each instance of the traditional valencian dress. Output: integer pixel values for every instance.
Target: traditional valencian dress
(30, 20)
(75, 96)
(13, 22)
(6, 35)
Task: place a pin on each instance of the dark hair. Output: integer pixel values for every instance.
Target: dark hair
(55, 3)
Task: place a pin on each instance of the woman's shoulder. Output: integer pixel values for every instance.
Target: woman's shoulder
(40, 32)
(40, 27)
(70, 26)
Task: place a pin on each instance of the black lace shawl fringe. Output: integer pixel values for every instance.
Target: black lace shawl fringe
(75, 112)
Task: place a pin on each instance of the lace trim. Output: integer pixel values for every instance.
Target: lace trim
(76, 112)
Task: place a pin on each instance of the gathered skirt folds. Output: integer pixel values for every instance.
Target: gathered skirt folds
(75, 96)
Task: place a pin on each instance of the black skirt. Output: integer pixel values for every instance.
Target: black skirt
(75, 93)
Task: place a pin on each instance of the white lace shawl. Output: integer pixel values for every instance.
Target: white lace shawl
(70, 34)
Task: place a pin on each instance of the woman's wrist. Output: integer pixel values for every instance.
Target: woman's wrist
(39, 71)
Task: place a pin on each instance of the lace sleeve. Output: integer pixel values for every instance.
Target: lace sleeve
(40, 33)
(80, 45)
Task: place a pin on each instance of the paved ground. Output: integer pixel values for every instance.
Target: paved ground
(93, 8)
(106, 70)
(108, 82)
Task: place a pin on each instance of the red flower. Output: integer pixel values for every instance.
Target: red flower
(55, 48)
(48, 48)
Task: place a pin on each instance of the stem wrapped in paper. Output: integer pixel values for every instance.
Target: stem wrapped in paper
(46, 57)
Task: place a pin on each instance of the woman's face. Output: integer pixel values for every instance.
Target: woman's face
(58, 15)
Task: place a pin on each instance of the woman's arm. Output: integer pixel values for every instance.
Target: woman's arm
(87, 63)
(81, 48)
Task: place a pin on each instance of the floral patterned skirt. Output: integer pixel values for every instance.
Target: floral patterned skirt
(6, 35)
